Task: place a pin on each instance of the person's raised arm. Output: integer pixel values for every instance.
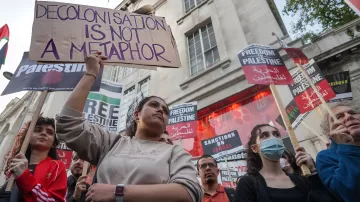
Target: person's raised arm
(77, 98)
(89, 141)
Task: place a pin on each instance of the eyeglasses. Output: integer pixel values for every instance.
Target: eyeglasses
(205, 165)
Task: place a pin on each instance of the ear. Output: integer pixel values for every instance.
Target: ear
(218, 171)
(136, 116)
(255, 148)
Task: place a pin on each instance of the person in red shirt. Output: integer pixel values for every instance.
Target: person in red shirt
(39, 175)
(208, 172)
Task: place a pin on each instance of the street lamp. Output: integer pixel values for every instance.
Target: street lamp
(8, 75)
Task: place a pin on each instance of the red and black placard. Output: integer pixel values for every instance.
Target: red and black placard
(65, 154)
(305, 97)
(222, 145)
(264, 65)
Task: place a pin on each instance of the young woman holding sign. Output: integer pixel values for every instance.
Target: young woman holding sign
(266, 181)
(39, 174)
(136, 167)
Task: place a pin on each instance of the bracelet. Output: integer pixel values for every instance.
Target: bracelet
(90, 75)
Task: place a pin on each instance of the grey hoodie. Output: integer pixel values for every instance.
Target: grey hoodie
(130, 161)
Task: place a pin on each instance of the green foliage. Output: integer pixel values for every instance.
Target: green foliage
(327, 13)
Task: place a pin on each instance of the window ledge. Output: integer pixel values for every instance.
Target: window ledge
(223, 64)
(181, 20)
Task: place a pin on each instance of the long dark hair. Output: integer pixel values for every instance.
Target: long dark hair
(290, 157)
(131, 129)
(253, 160)
(19, 139)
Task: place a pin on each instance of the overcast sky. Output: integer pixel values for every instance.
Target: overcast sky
(18, 14)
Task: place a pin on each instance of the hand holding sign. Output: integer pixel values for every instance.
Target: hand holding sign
(93, 62)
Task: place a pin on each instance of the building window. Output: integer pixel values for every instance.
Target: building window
(128, 98)
(144, 87)
(190, 4)
(202, 47)
(118, 73)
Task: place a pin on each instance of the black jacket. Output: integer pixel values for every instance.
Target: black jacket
(71, 183)
(252, 188)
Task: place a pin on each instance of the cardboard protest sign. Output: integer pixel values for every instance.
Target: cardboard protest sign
(297, 55)
(354, 4)
(69, 32)
(294, 115)
(103, 108)
(51, 77)
(305, 97)
(222, 145)
(65, 154)
(264, 65)
(182, 121)
(341, 85)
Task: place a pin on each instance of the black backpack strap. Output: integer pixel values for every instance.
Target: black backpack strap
(100, 160)
(230, 192)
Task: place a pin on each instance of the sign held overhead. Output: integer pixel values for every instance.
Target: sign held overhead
(69, 32)
(264, 65)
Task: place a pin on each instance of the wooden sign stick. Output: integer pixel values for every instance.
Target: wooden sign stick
(304, 168)
(26, 142)
(324, 104)
(86, 166)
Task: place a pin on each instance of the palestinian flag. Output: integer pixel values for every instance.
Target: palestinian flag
(4, 35)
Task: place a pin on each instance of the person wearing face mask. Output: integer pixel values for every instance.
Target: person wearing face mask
(339, 166)
(77, 185)
(133, 167)
(266, 181)
(213, 191)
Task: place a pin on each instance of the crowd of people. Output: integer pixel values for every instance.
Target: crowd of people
(145, 165)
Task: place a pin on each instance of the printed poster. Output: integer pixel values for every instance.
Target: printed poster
(264, 65)
(125, 38)
(295, 117)
(182, 121)
(355, 5)
(222, 145)
(341, 84)
(30, 76)
(305, 97)
(228, 179)
(103, 108)
(297, 55)
(65, 154)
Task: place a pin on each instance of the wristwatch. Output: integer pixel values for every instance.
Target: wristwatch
(119, 192)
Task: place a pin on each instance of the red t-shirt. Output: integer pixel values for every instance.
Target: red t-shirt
(219, 196)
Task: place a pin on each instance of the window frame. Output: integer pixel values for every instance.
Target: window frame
(192, 34)
(196, 4)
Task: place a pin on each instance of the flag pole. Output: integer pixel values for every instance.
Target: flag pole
(29, 132)
(324, 104)
(304, 168)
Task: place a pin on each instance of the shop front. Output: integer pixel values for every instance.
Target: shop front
(240, 113)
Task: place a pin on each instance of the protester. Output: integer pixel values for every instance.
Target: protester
(339, 166)
(135, 167)
(266, 181)
(76, 183)
(39, 175)
(213, 191)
